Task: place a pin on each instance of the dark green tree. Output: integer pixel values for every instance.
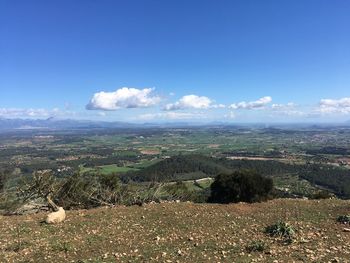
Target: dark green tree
(240, 186)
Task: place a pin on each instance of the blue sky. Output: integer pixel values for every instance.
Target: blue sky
(170, 60)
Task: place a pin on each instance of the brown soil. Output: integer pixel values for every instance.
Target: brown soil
(180, 232)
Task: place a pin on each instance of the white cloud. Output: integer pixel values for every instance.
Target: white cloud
(172, 116)
(19, 112)
(123, 98)
(258, 104)
(218, 106)
(34, 113)
(190, 102)
(289, 109)
(331, 106)
(289, 105)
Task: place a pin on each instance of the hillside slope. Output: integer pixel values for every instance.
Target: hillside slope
(180, 232)
(191, 167)
(181, 167)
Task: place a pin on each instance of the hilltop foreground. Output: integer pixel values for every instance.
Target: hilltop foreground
(181, 232)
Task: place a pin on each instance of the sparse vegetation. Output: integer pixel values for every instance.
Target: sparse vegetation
(280, 229)
(257, 246)
(344, 219)
(200, 232)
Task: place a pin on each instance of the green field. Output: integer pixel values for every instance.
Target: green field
(108, 169)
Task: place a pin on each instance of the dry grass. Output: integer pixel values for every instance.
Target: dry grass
(180, 232)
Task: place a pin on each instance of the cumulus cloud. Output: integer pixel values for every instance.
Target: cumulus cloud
(172, 116)
(331, 106)
(191, 102)
(123, 98)
(258, 104)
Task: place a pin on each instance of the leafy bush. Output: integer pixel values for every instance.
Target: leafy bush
(257, 246)
(244, 185)
(344, 219)
(280, 229)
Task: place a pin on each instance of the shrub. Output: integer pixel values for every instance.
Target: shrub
(3, 179)
(244, 185)
(257, 246)
(109, 181)
(90, 190)
(322, 194)
(78, 191)
(280, 229)
(178, 191)
(344, 219)
(81, 190)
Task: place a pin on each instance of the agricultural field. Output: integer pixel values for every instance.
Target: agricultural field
(130, 151)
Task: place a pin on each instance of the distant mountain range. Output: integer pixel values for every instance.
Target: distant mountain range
(63, 124)
(52, 123)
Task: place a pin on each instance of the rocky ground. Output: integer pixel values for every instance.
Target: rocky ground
(181, 232)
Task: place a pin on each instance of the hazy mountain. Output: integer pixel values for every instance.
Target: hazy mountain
(53, 123)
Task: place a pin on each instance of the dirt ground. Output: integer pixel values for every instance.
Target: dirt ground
(181, 232)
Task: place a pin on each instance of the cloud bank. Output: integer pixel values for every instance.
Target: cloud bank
(258, 104)
(123, 98)
(192, 102)
(289, 109)
(332, 106)
(189, 102)
(31, 113)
